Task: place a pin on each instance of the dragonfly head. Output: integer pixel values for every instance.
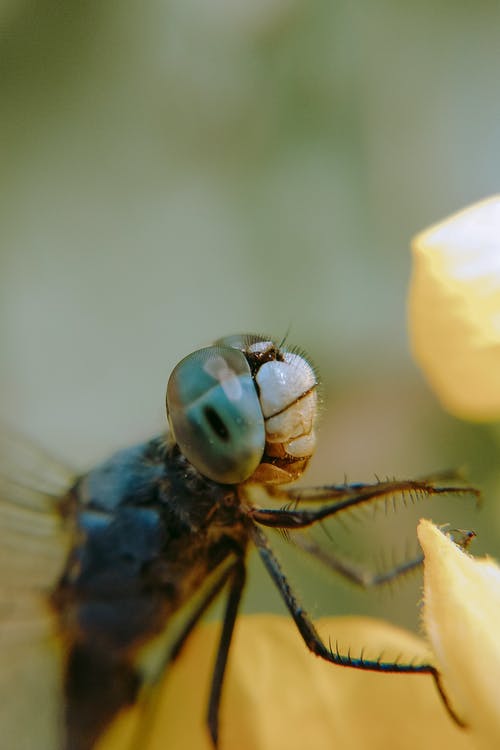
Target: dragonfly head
(244, 409)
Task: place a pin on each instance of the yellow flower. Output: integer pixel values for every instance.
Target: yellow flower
(278, 696)
(454, 310)
(462, 620)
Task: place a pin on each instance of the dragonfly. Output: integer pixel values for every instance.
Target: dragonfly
(96, 567)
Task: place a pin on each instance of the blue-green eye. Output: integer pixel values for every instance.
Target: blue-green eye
(215, 414)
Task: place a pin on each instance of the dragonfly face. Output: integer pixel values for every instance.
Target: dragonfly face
(244, 409)
(162, 528)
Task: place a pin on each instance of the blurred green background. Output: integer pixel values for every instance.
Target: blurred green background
(172, 172)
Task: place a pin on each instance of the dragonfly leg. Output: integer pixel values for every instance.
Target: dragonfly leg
(365, 577)
(233, 601)
(354, 573)
(198, 613)
(151, 694)
(338, 498)
(314, 642)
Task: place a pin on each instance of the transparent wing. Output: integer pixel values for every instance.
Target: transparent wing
(33, 539)
(34, 544)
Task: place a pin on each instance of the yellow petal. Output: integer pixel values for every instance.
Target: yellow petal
(454, 309)
(462, 619)
(278, 696)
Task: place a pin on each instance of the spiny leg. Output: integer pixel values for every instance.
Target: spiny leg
(313, 640)
(344, 497)
(368, 578)
(445, 482)
(359, 576)
(230, 615)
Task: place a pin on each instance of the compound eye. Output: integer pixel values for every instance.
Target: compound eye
(215, 414)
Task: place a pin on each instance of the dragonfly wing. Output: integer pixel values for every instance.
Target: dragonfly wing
(30, 674)
(34, 544)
